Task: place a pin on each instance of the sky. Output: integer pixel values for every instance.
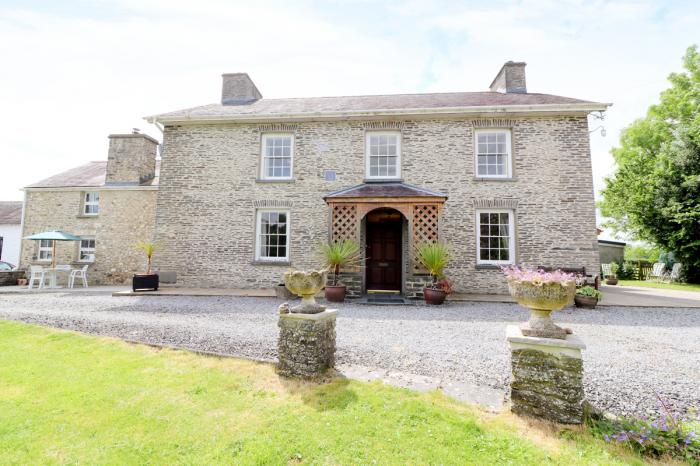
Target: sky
(73, 72)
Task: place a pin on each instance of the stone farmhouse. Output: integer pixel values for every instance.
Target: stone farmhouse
(250, 186)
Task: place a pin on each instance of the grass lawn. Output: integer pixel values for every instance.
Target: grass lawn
(71, 398)
(668, 286)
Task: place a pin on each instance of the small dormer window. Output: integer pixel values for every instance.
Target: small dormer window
(91, 204)
(383, 155)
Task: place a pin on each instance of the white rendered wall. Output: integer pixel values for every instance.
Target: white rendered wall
(10, 244)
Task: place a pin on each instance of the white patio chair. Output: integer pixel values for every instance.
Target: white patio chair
(675, 274)
(36, 273)
(606, 270)
(657, 272)
(78, 273)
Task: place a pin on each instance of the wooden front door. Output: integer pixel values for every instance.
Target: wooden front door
(383, 263)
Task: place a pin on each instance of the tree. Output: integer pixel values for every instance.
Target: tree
(654, 194)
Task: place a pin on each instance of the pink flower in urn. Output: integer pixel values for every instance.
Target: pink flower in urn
(517, 274)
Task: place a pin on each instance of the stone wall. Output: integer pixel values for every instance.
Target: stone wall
(209, 192)
(10, 277)
(126, 216)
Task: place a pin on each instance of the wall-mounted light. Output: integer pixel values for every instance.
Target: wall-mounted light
(602, 130)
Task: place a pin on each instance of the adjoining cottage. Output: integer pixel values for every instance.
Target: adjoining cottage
(10, 230)
(249, 186)
(109, 204)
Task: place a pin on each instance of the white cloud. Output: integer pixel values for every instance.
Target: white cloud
(72, 76)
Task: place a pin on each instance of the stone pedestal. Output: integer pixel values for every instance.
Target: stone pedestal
(547, 377)
(306, 344)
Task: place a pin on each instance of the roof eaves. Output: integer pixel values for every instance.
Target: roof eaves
(582, 107)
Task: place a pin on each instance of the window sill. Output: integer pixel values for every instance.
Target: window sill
(262, 180)
(491, 266)
(487, 178)
(87, 216)
(278, 263)
(383, 180)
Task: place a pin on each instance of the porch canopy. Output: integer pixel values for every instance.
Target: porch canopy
(421, 207)
(54, 235)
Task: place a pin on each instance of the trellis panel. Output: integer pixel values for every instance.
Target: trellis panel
(344, 224)
(425, 229)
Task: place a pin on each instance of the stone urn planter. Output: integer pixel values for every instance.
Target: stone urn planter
(306, 284)
(306, 341)
(542, 298)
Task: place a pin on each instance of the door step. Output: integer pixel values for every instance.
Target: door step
(392, 292)
(384, 299)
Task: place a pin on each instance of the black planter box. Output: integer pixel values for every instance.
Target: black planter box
(145, 282)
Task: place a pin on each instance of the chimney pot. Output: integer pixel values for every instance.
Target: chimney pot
(510, 79)
(238, 89)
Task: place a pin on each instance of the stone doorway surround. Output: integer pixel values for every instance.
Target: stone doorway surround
(422, 209)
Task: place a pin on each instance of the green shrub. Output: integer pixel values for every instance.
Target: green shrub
(642, 253)
(338, 254)
(589, 291)
(614, 267)
(627, 271)
(434, 257)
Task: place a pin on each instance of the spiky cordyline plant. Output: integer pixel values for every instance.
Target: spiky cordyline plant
(434, 257)
(338, 254)
(149, 248)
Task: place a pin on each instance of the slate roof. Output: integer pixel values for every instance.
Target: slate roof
(91, 174)
(384, 189)
(10, 212)
(367, 103)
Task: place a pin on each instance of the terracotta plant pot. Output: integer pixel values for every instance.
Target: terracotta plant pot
(434, 296)
(335, 293)
(586, 302)
(145, 282)
(611, 281)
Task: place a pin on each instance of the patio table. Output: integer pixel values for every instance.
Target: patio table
(52, 272)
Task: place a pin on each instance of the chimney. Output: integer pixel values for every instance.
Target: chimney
(131, 159)
(238, 89)
(511, 79)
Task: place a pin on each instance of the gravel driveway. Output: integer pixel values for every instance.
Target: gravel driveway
(632, 352)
